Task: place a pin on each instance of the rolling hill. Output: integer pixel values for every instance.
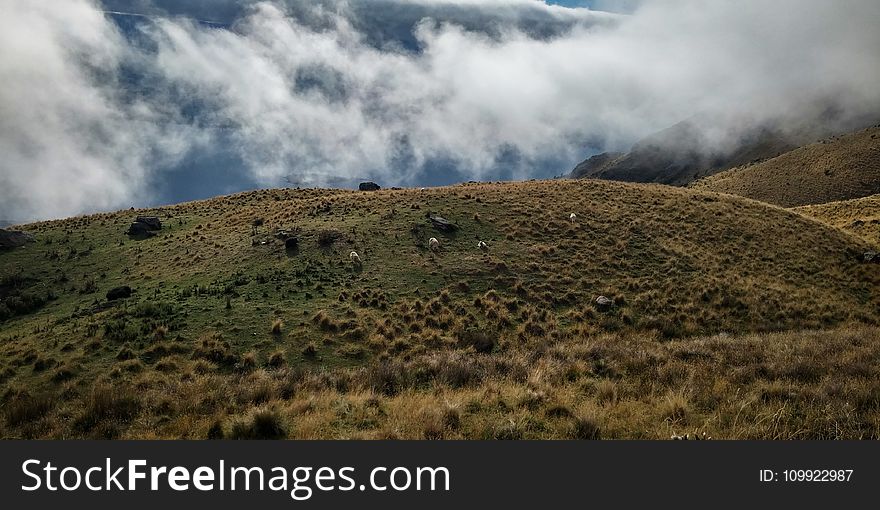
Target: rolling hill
(840, 168)
(246, 318)
(861, 216)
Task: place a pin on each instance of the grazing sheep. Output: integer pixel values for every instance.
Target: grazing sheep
(433, 244)
(573, 218)
(355, 258)
(483, 246)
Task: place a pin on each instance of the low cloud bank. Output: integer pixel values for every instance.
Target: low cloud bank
(99, 111)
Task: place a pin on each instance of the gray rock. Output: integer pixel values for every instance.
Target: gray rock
(138, 229)
(119, 293)
(152, 222)
(14, 238)
(369, 186)
(442, 224)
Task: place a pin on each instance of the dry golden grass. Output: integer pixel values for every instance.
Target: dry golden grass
(794, 385)
(840, 168)
(859, 216)
(230, 334)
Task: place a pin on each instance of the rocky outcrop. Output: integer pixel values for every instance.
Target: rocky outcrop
(119, 293)
(442, 224)
(152, 222)
(144, 226)
(369, 186)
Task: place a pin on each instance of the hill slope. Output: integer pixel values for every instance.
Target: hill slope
(227, 329)
(841, 168)
(680, 155)
(861, 216)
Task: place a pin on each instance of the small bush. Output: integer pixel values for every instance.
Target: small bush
(508, 431)
(606, 391)
(276, 360)
(153, 310)
(558, 412)
(310, 351)
(353, 351)
(248, 361)
(482, 341)
(586, 428)
(24, 408)
(125, 354)
(64, 373)
(166, 365)
(215, 432)
(212, 348)
(674, 407)
(260, 424)
(107, 404)
(160, 333)
(122, 330)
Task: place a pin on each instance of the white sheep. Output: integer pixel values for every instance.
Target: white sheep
(433, 244)
(483, 246)
(573, 218)
(355, 258)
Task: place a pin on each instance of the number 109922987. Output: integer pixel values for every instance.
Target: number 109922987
(817, 475)
(807, 475)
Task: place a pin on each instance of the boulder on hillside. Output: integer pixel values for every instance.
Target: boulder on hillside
(369, 186)
(14, 238)
(144, 226)
(152, 222)
(442, 224)
(119, 293)
(138, 229)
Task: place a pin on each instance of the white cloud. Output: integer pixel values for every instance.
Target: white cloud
(319, 100)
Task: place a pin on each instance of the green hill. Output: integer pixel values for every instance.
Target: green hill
(228, 332)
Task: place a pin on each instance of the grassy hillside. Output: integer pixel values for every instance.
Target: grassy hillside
(840, 168)
(228, 333)
(860, 216)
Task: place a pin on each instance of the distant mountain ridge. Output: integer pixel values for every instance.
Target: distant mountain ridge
(700, 147)
(678, 156)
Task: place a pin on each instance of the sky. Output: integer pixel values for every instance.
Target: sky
(118, 103)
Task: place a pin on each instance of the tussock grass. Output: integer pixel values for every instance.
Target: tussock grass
(841, 168)
(728, 316)
(791, 385)
(859, 216)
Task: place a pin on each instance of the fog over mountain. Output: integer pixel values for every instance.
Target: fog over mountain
(114, 104)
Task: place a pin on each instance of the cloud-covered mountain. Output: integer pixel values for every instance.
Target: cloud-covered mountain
(705, 145)
(194, 98)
